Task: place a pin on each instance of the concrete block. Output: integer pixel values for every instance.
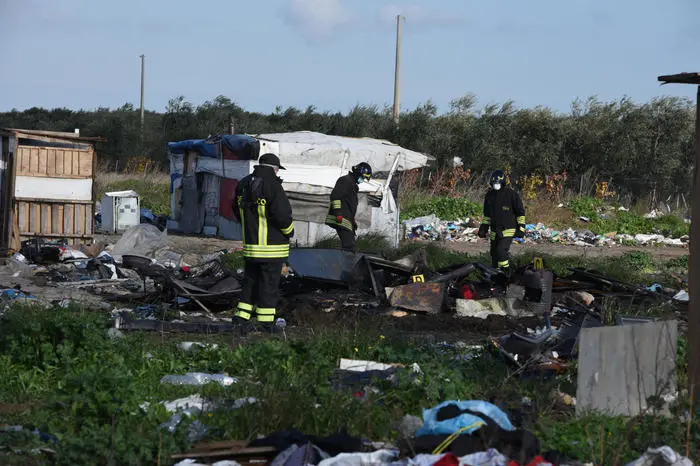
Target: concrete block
(619, 368)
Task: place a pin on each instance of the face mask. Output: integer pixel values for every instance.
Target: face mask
(497, 186)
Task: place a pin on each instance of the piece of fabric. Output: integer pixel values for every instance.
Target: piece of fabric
(663, 455)
(360, 459)
(447, 460)
(431, 424)
(260, 292)
(344, 199)
(265, 214)
(536, 461)
(491, 457)
(347, 240)
(297, 455)
(500, 252)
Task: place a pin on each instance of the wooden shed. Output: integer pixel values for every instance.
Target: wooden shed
(46, 186)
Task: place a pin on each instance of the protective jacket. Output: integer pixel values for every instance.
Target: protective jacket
(343, 203)
(503, 212)
(263, 209)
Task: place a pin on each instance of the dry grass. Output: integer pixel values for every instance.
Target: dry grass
(152, 187)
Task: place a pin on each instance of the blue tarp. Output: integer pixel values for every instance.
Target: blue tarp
(207, 147)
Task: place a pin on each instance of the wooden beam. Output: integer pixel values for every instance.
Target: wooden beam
(681, 78)
(693, 269)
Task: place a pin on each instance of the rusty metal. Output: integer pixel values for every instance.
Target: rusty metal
(419, 297)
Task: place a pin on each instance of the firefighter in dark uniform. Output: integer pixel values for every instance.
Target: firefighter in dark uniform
(504, 215)
(262, 208)
(343, 208)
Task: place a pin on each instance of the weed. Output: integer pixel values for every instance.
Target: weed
(445, 208)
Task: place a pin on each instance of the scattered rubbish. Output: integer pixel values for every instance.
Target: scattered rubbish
(419, 297)
(451, 416)
(188, 345)
(12, 294)
(658, 456)
(198, 378)
(432, 228)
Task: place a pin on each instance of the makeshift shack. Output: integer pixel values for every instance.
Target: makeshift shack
(204, 174)
(46, 186)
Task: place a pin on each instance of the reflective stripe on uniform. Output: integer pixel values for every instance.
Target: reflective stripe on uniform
(509, 233)
(262, 222)
(243, 314)
(288, 230)
(267, 311)
(264, 318)
(268, 251)
(520, 220)
(504, 264)
(486, 221)
(347, 224)
(240, 209)
(335, 204)
(244, 307)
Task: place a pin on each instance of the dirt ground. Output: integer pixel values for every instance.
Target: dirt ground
(206, 245)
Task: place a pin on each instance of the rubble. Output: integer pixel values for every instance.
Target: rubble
(432, 228)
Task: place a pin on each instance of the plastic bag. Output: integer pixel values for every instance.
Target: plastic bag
(469, 422)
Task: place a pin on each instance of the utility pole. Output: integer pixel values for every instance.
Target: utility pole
(694, 266)
(397, 71)
(143, 72)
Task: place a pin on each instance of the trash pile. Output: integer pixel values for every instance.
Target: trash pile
(431, 228)
(472, 432)
(140, 268)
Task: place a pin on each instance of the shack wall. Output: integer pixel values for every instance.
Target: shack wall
(53, 194)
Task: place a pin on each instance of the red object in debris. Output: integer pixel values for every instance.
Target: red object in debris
(186, 268)
(536, 461)
(447, 460)
(467, 292)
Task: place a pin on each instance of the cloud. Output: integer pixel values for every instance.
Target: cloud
(317, 20)
(421, 17)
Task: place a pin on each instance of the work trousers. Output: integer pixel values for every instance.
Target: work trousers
(500, 252)
(347, 240)
(260, 290)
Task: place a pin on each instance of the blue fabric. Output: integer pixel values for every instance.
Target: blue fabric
(431, 426)
(173, 177)
(207, 147)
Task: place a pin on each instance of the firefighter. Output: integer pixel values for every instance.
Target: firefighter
(504, 215)
(343, 208)
(262, 208)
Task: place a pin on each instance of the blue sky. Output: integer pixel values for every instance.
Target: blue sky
(334, 54)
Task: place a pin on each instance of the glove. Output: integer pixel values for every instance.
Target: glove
(339, 218)
(520, 232)
(483, 231)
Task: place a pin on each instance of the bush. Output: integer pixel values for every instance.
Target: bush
(446, 208)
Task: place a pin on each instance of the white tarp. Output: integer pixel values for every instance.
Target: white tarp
(310, 148)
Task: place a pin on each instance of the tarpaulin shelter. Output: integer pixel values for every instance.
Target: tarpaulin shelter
(204, 174)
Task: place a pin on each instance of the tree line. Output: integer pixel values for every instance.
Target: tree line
(639, 148)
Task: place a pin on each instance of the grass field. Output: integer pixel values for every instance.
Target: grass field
(64, 376)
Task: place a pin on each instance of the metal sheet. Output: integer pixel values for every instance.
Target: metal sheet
(329, 265)
(420, 297)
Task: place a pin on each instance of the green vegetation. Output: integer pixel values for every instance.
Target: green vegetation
(643, 147)
(86, 389)
(153, 189)
(446, 208)
(604, 220)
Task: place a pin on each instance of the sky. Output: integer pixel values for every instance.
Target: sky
(334, 54)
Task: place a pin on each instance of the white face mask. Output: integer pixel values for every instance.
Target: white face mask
(497, 186)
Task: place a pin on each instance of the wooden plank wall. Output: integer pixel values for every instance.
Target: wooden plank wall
(46, 219)
(54, 162)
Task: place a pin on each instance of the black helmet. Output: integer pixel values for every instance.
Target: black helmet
(362, 170)
(498, 176)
